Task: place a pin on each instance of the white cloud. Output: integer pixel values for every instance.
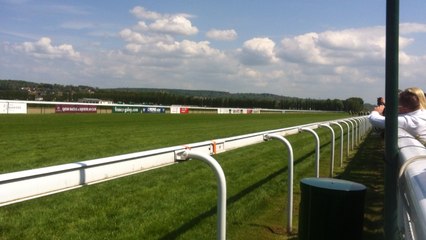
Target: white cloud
(141, 13)
(130, 36)
(189, 48)
(178, 24)
(174, 25)
(224, 35)
(406, 28)
(302, 48)
(43, 48)
(258, 51)
(166, 50)
(141, 26)
(350, 46)
(298, 64)
(363, 46)
(156, 39)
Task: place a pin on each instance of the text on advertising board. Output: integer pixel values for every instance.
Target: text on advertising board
(75, 109)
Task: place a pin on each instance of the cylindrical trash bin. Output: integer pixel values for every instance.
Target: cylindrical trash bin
(331, 209)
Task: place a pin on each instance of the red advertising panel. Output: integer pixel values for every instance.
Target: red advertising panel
(184, 110)
(75, 109)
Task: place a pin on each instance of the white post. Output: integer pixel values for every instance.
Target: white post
(349, 138)
(221, 187)
(353, 132)
(341, 142)
(333, 139)
(290, 177)
(317, 148)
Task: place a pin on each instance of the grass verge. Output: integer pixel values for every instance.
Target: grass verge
(367, 167)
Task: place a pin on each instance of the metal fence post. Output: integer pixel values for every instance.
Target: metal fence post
(290, 177)
(317, 148)
(221, 200)
(358, 121)
(333, 139)
(353, 132)
(349, 138)
(391, 124)
(341, 142)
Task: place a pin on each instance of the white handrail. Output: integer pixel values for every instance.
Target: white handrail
(411, 187)
(28, 184)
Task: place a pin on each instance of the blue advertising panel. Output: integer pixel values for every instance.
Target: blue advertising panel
(153, 110)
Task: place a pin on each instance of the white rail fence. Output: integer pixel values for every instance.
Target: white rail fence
(411, 187)
(25, 185)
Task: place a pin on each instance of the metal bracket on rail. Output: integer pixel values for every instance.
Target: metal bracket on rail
(317, 148)
(270, 136)
(181, 155)
(221, 187)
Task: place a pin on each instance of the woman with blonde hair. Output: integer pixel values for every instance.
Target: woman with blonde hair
(411, 117)
(420, 94)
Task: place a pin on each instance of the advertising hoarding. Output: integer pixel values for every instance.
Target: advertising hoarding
(184, 110)
(153, 110)
(126, 109)
(65, 108)
(3, 107)
(13, 108)
(179, 109)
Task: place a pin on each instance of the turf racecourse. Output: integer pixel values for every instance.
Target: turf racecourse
(175, 202)
(30, 141)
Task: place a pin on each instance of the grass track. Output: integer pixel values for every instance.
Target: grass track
(178, 202)
(30, 141)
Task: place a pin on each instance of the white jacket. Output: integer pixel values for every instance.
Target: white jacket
(413, 122)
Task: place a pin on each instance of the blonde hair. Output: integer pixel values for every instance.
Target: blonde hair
(420, 94)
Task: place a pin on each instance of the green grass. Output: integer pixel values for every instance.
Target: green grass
(367, 167)
(177, 202)
(30, 141)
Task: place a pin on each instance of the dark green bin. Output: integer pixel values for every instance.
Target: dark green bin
(331, 209)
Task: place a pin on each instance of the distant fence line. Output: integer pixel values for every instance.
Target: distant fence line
(47, 107)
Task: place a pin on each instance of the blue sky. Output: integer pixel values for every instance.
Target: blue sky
(310, 49)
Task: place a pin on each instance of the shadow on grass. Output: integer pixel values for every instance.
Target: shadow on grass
(367, 168)
(190, 224)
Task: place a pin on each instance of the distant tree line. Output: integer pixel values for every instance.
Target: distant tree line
(22, 90)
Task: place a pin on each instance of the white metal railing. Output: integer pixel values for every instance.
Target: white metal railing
(289, 177)
(29, 184)
(341, 141)
(317, 148)
(332, 147)
(221, 187)
(411, 187)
